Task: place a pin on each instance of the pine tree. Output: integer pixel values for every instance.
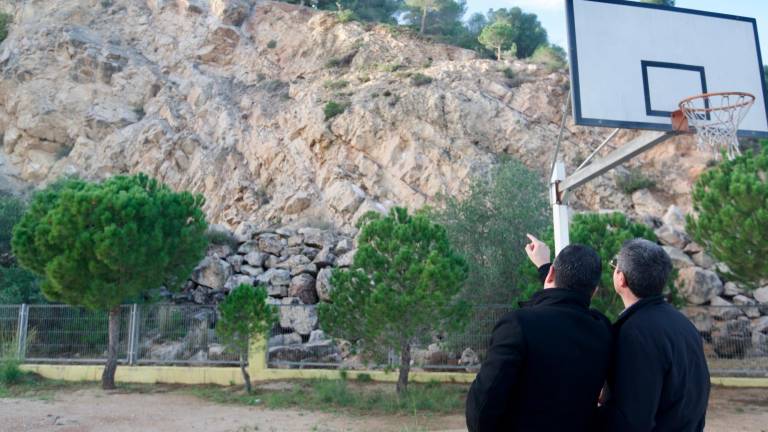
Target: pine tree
(99, 244)
(402, 287)
(731, 214)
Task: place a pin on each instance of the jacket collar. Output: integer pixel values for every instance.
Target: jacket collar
(551, 296)
(642, 303)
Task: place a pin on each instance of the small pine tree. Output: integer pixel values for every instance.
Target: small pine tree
(100, 244)
(498, 36)
(402, 287)
(244, 314)
(731, 214)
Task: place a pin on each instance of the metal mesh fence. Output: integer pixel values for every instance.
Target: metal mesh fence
(9, 328)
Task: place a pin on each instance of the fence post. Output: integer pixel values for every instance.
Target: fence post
(22, 331)
(133, 335)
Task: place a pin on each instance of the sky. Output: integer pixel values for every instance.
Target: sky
(551, 13)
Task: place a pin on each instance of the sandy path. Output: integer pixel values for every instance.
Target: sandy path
(731, 410)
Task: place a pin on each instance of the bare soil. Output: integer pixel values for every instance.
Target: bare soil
(86, 410)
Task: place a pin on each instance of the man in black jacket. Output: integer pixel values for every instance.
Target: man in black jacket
(659, 379)
(548, 360)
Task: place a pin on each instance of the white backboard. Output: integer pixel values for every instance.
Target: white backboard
(632, 63)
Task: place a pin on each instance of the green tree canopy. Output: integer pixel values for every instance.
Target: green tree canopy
(401, 288)
(11, 210)
(528, 33)
(489, 225)
(422, 9)
(730, 202)
(498, 36)
(99, 244)
(244, 314)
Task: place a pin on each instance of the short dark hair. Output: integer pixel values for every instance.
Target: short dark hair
(645, 265)
(578, 267)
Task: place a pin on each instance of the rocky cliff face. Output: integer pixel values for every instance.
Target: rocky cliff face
(227, 97)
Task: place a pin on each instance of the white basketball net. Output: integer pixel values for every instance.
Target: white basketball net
(715, 117)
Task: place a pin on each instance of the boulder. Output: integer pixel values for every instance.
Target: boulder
(248, 247)
(678, 257)
(760, 325)
(236, 261)
(237, 280)
(674, 217)
(296, 240)
(470, 359)
(219, 250)
(732, 339)
(244, 232)
(325, 258)
(732, 289)
(278, 291)
(284, 339)
(303, 287)
(251, 271)
(761, 295)
(347, 259)
(344, 197)
(670, 236)
(343, 246)
(317, 336)
(297, 203)
(646, 204)
(212, 272)
(323, 286)
(760, 344)
(232, 12)
(692, 248)
(255, 258)
(298, 264)
(747, 305)
(167, 351)
(700, 318)
(310, 252)
(703, 259)
(699, 286)
(275, 277)
(272, 244)
(216, 351)
(317, 237)
(300, 317)
(724, 310)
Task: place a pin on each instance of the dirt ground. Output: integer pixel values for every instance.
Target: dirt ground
(731, 410)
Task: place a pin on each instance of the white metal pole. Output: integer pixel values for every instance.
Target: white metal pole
(559, 208)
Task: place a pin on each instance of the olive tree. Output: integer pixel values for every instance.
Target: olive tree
(402, 287)
(244, 314)
(99, 244)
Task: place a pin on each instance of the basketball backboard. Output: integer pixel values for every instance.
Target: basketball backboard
(632, 63)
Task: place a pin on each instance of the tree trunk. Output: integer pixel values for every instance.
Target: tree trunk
(246, 377)
(405, 367)
(498, 53)
(108, 377)
(423, 19)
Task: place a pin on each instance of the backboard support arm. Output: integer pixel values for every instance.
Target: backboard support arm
(561, 185)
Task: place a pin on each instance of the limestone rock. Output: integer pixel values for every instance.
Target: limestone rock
(347, 259)
(236, 261)
(232, 12)
(672, 237)
(272, 244)
(251, 271)
(212, 272)
(275, 277)
(284, 339)
(345, 197)
(323, 286)
(724, 310)
(325, 258)
(317, 336)
(646, 203)
(237, 280)
(732, 289)
(255, 259)
(703, 259)
(760, 325)
(303, 287)
(761, 295)
(678, 257)
(248, 247)
(343, 246)
(298, 316)
(700, 318)
(298, 203)
(675, 218)
(317, 238)
(699, 286)
(748, 306)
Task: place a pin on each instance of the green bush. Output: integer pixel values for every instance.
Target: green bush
(335, 84)
(508, 73)
(419, 79)
(606, 233)
(550, 56)
(633, 181)
(10, 372)
(11, 210)
(346, 15)
(18, 285)
(5, 21)
(333, 108)
(272, 44)
(731, 214)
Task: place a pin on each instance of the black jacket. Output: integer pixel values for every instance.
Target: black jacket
(659, 379)
(545, 367)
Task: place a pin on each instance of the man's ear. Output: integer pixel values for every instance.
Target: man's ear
(550, 279)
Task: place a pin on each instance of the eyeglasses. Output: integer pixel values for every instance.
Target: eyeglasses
(614, 262)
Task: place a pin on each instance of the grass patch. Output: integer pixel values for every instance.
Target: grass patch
(348, 396)
(32, 386)
(634, 181)
(333, 108)
(391, 67)
(419, 79)
(336, 84)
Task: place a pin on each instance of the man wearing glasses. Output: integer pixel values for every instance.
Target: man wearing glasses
(659, 379)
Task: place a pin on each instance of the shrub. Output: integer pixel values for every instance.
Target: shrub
(633, 181)
(18, 285)
(508, 73)
(5, 21)
(11, 210)
(272, 44)
(336, 85)
(731, 214)
(391, 67)
(404, 267)
(10, 372)
(419, 79)
(550, 56)
(346, 15)
(333, 108)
